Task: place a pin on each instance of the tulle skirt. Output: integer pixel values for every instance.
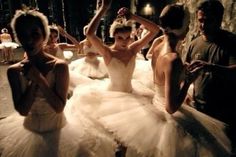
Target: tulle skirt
(151, 131)
(91, 70)
(74, 139)
(8, 45)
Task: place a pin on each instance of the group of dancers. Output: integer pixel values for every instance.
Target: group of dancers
(118, 103)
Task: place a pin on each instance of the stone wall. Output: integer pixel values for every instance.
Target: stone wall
(229, 20)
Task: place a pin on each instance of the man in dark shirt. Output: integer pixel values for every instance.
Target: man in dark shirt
(214, 51)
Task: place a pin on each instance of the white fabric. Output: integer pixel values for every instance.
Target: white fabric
(137, 117)
(94, 69)
(45, 133)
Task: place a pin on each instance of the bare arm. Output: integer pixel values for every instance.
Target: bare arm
(226, 71)
(152, 28)
(92, 27)
(156, 42)
(22, 98)
(68, 36)
(175, 89)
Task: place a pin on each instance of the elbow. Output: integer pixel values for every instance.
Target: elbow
(59, 108)
(22, 112)
(171, 108)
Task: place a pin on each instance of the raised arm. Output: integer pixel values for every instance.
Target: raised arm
(91, 31)
(153, 29)
(68, 36)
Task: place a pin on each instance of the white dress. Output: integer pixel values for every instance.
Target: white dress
(94, 68)
(45, 133)
(152, 131)
(143, 73)
(136, 116)
(7, 43)
(116, 94)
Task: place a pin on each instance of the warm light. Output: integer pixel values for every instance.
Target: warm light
(148, 10)
(68, 54)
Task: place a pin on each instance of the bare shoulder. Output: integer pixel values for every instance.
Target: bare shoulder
(158, 40)
(61, 65)
(172, 60)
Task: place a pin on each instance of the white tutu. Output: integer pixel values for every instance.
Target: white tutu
(92, 70)
(45, 133)
(8, 45)
(143, 73)
(152, 131)
(95, 100)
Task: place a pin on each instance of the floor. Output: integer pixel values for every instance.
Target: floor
(6, 104)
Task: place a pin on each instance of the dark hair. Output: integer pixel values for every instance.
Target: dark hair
(25, 19)
(54, 29)
(29, 16)
(212, 8)
(172, 16)
(123, 29)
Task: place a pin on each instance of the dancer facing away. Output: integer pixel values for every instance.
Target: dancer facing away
(171, 129)
(39, 86)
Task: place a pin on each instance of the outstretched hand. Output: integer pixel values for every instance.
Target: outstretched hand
(199, 64)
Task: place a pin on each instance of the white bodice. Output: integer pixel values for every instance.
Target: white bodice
(59, 53)
(120, 74)
(159, 97)
(42, 116)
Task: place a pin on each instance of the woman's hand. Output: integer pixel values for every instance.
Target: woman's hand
(33, 74)
(124, 12)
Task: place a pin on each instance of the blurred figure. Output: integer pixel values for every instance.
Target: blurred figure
(60, 50)
(7, 46)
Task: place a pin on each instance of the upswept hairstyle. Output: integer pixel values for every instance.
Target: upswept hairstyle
(54, 28)
(174, 18)
(24, 16)
(120, 25)
(4, 30)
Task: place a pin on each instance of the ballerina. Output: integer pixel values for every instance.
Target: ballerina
(7, 46)
(167, 127)
(39, 86)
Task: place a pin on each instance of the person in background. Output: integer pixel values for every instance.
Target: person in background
(57, 49)
(176, 128)
(7, 46)
(215, 52)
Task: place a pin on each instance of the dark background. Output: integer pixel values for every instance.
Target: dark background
(73, 15)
